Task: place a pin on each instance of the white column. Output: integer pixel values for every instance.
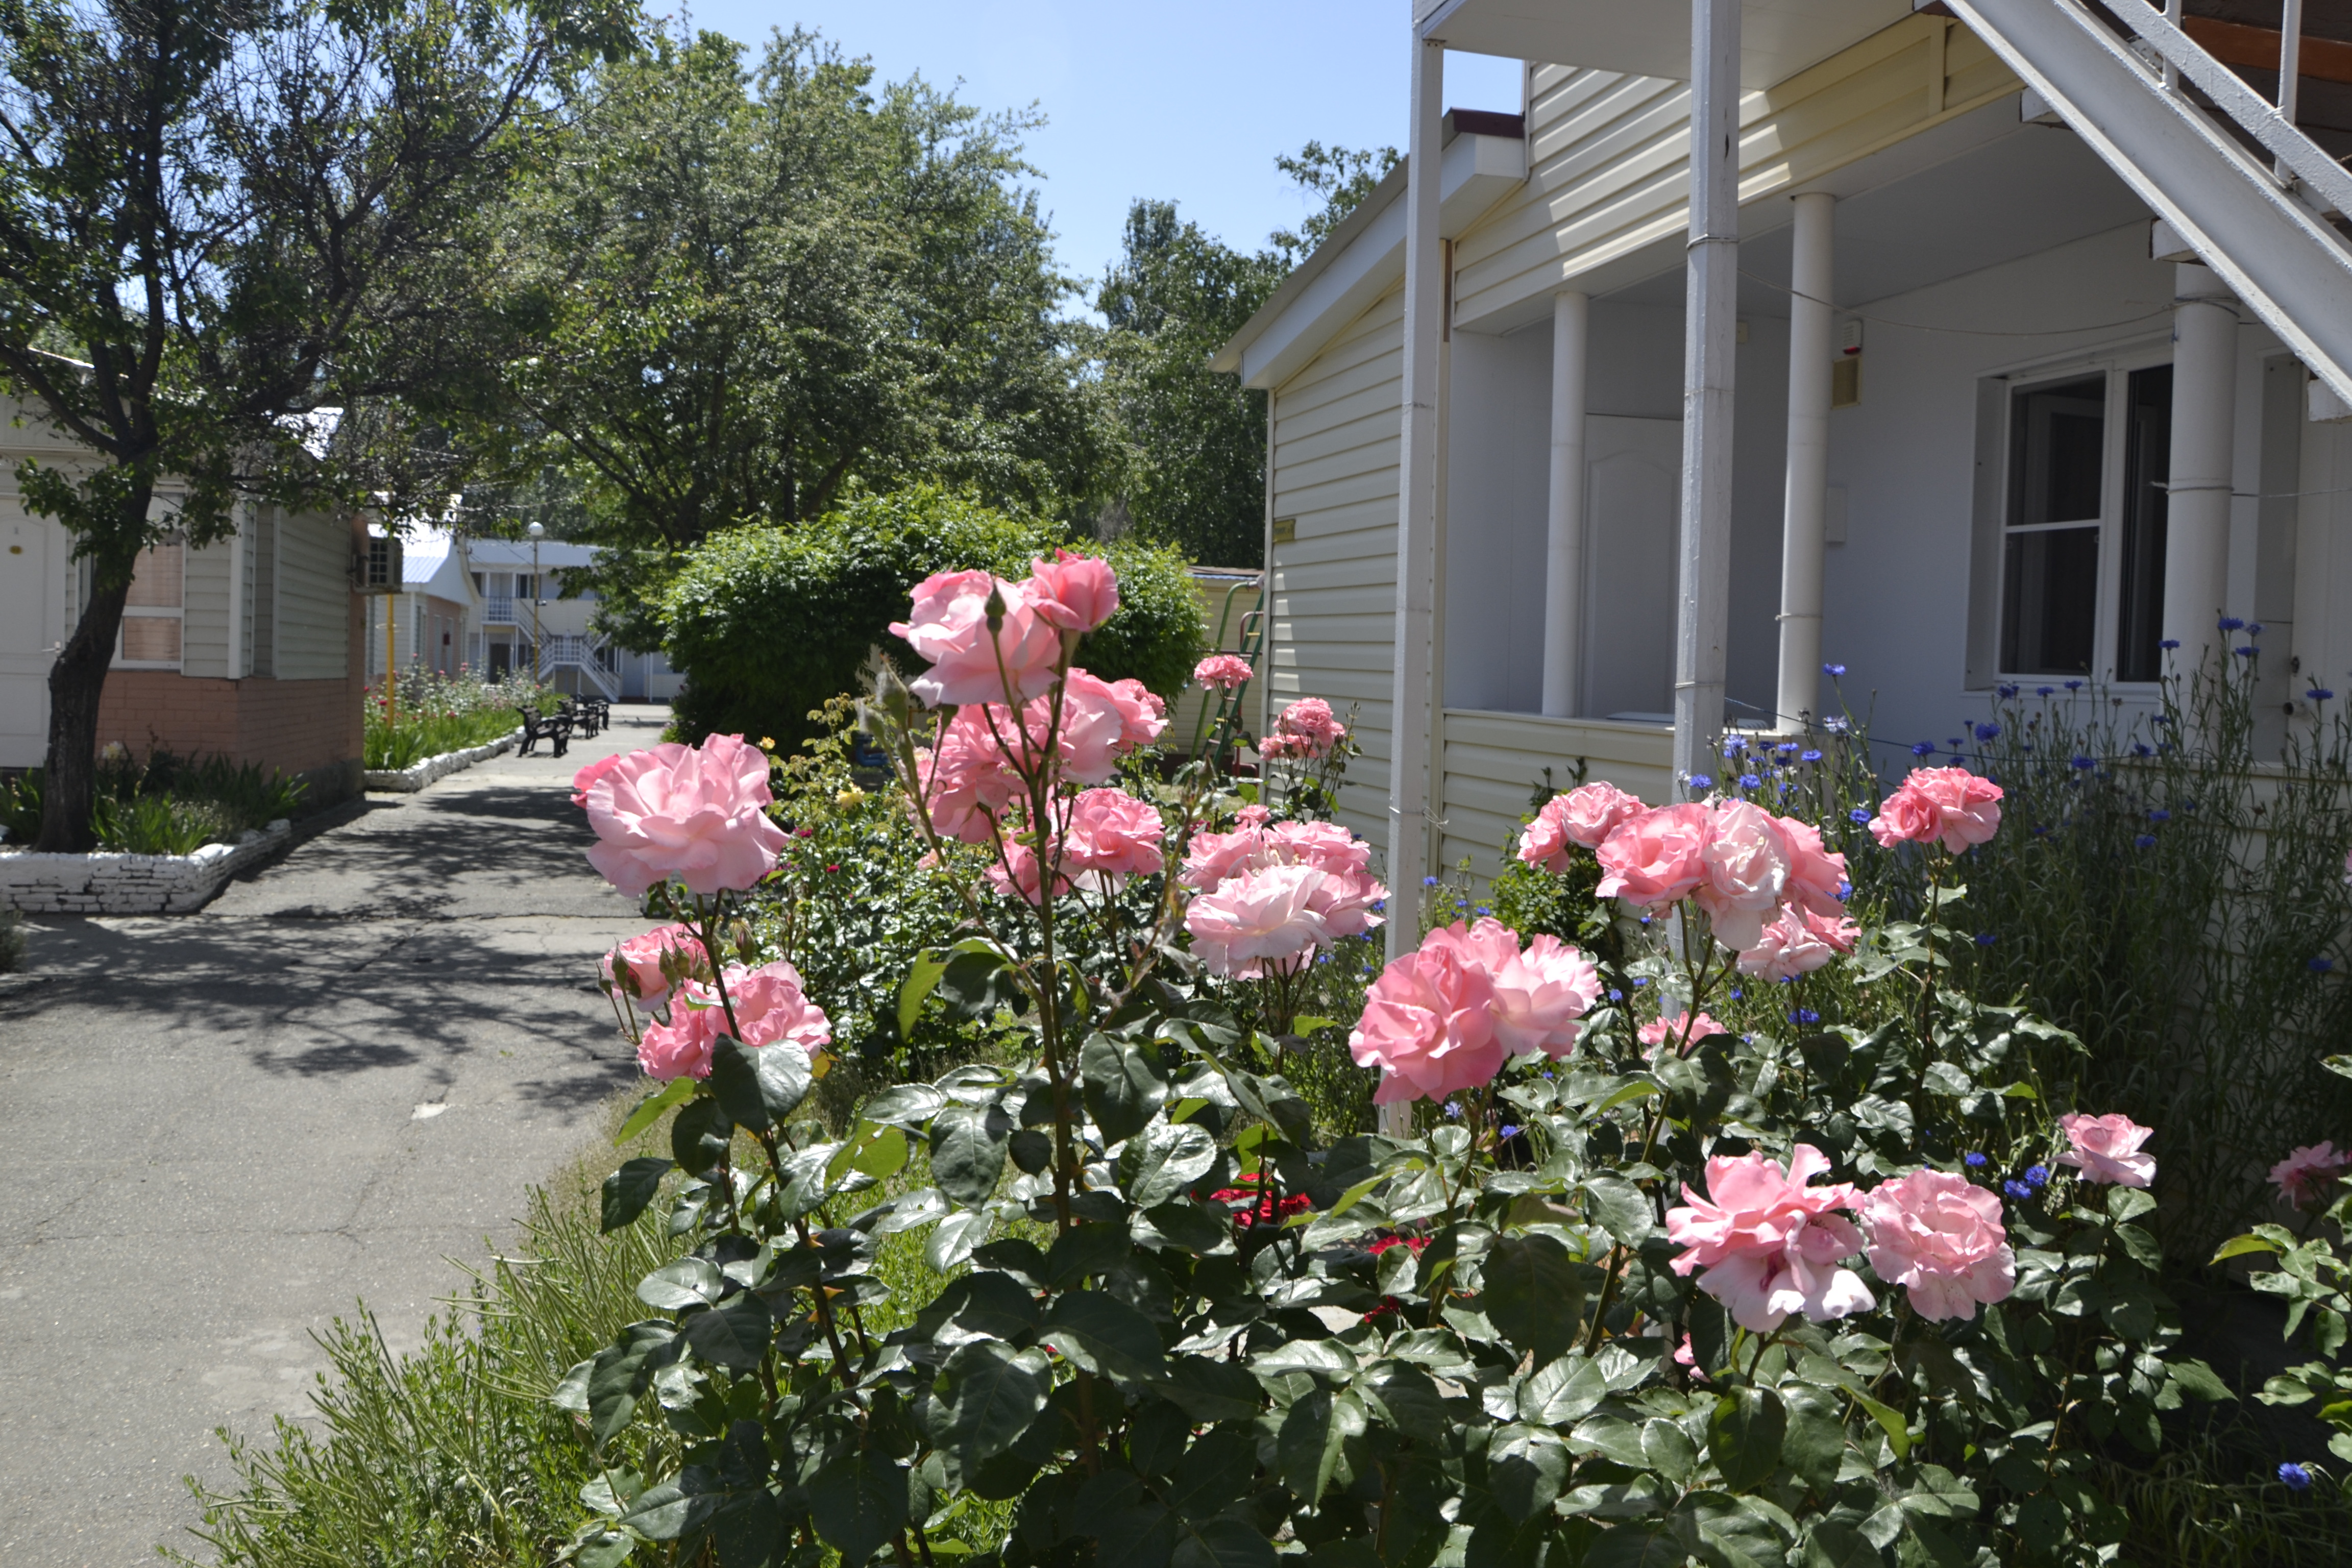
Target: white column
(1703, 588)
(1805, 504)
(1416, 557)
(1564, 539)
(2204, 415)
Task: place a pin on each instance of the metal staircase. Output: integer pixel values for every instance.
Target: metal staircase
(560, 650)
(2258, 200)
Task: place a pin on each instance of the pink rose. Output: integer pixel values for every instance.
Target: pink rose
(1142, 709)
(1349, 904)
(1324, 845)
(1770, 1244)
(642, 957)
(2106, 1149)
(1112, 836)
(1971, 805)
(589, 775)
(770, 1006)
(1253, 815)
(1685, 1032)
(1211, 857)
(696, 815)
(2304, 1177)
(1939, 1237)
(1657, 857)
(1797, 942)
(1095, 727)
(1306, 730)
(1817, 877)
(1262, 918)
(1428, 1025)
(1746, 864)
(1540, 993)
(968, 781)
(1908, 817)
(948, 627)
(1074, 593)
(1585, 815)
(1225, 672)
(1017, 874)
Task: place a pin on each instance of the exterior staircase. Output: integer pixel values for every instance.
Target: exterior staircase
(562, 651)
(2258, 200)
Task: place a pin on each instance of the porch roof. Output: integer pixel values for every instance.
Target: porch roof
(1652, 37)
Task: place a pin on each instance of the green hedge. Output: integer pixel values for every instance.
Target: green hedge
(769, 623)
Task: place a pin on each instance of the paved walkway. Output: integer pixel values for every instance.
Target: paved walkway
(218, 1130)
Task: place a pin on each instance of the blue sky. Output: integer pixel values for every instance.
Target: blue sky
(1146, 98)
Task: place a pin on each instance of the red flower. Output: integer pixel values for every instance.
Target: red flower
(1415, 1243)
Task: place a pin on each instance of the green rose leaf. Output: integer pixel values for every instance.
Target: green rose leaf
(1221, 1542)
(1106, 1337)
(734, 1336)
(1669, 1450)
(859, 1503)
(1563, 1392)
(1834, 1543)
(1191, 1226)
(759, 1086)
(968, 1151)
(689, 1282)
(1161, 1164)
(699, 1137)
(1221, 1467)
(1524, 1468)
(1634, 1546)
(649, 1110)
(1745, 1435)
(1532, 1294)
(1815, 1444)
(1310, 1448)
(630, 1189)
(1123, 1087)
(1212, 1390)
(995, 1394)
(1623, 1208)
(1408, 1398)
(621, 1372)
(1084, 1251)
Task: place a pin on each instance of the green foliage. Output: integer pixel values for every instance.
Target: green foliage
(12, 939)
(167, 804)
(435, 713)
(157, 825)
(770, 623)
(736, 296)
(1340, 178)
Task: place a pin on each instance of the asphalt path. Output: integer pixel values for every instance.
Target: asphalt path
(219, 1131)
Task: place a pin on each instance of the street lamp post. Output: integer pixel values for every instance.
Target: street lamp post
(536, 530)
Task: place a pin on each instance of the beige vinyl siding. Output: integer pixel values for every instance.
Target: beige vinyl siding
(205, 642)
(1337, 428)
(314, 598)
(263, 556)
(1607, 154)
(1495, 761)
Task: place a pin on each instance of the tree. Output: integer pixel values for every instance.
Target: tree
(1341, 177)
(218, 215)
(1191, 456)
(739, 297)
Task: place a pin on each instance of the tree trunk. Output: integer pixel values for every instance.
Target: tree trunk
(76, 683)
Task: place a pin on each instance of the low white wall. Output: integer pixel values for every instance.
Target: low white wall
(409, 780)
(111, 884)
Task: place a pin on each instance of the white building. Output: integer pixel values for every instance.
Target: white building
(2006, 347)
(434, 617)
(522, 595)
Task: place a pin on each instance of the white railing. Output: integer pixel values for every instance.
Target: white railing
(593, 657)
(498, 610)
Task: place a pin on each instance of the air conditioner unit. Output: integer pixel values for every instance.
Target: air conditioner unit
(375, 568)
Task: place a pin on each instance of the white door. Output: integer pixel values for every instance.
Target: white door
(31, 608)
(1631, 506)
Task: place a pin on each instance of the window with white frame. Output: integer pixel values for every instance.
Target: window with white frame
(2089, 453)
(154, 613)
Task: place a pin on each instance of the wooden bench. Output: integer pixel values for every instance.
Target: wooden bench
(555, 729)
(594, 715)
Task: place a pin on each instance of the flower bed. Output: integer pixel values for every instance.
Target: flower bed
(112, 884)
(408, 780)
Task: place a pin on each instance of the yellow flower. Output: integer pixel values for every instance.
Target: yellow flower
(849, 796)
(767, 742)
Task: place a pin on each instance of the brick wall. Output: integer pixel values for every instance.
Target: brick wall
(291, 725)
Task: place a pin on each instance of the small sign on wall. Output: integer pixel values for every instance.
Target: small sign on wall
(1285, 531)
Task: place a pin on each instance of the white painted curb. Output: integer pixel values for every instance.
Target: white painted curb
(111, 884)
(409, 780)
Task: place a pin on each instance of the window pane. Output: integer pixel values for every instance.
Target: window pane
(2056, 440)
(155, 581)
(150, 639)
(2049, 600)
(2148, 466)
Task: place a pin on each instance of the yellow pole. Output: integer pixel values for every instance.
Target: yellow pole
(391, 692)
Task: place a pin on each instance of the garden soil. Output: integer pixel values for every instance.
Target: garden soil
(220, 1131)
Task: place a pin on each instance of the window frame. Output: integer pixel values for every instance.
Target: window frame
(178, 613)
(2113, 366)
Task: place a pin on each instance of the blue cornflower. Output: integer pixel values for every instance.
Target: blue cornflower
(2170, 643)
(1956, 742)
(1453, 1108)
(2319, 694)
(2253, 628)
(1988, 731)
(2017, 1189)
(1640, 981)
(1616, 995)
(1859, 814)
(1736, 994)
(1322, 957)
(2294, 1477)
(1485, 910)
(2248, 651)
(1429, 881)
(1811, 756)
(1845, 892)
(1837, 726)
(2037, 1175)
(1832, 670)
(1749, 781)
(1701, 781)
(2160, 718)
(2040, 831)
(1509, 1130)
(1804, 1016)
(1975, 1159)
(2046, 691)
(2159, 815)
(1923, 748)
(2320, 965)
(1984, 939)
(2231, 624)
(2085, 762)
(2006, 690)
(2140, 749)
(2145, 841)
(1786, 748)
(2073, 686)
(1734, 744)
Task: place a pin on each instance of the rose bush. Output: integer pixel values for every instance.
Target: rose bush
(1643, 1288)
